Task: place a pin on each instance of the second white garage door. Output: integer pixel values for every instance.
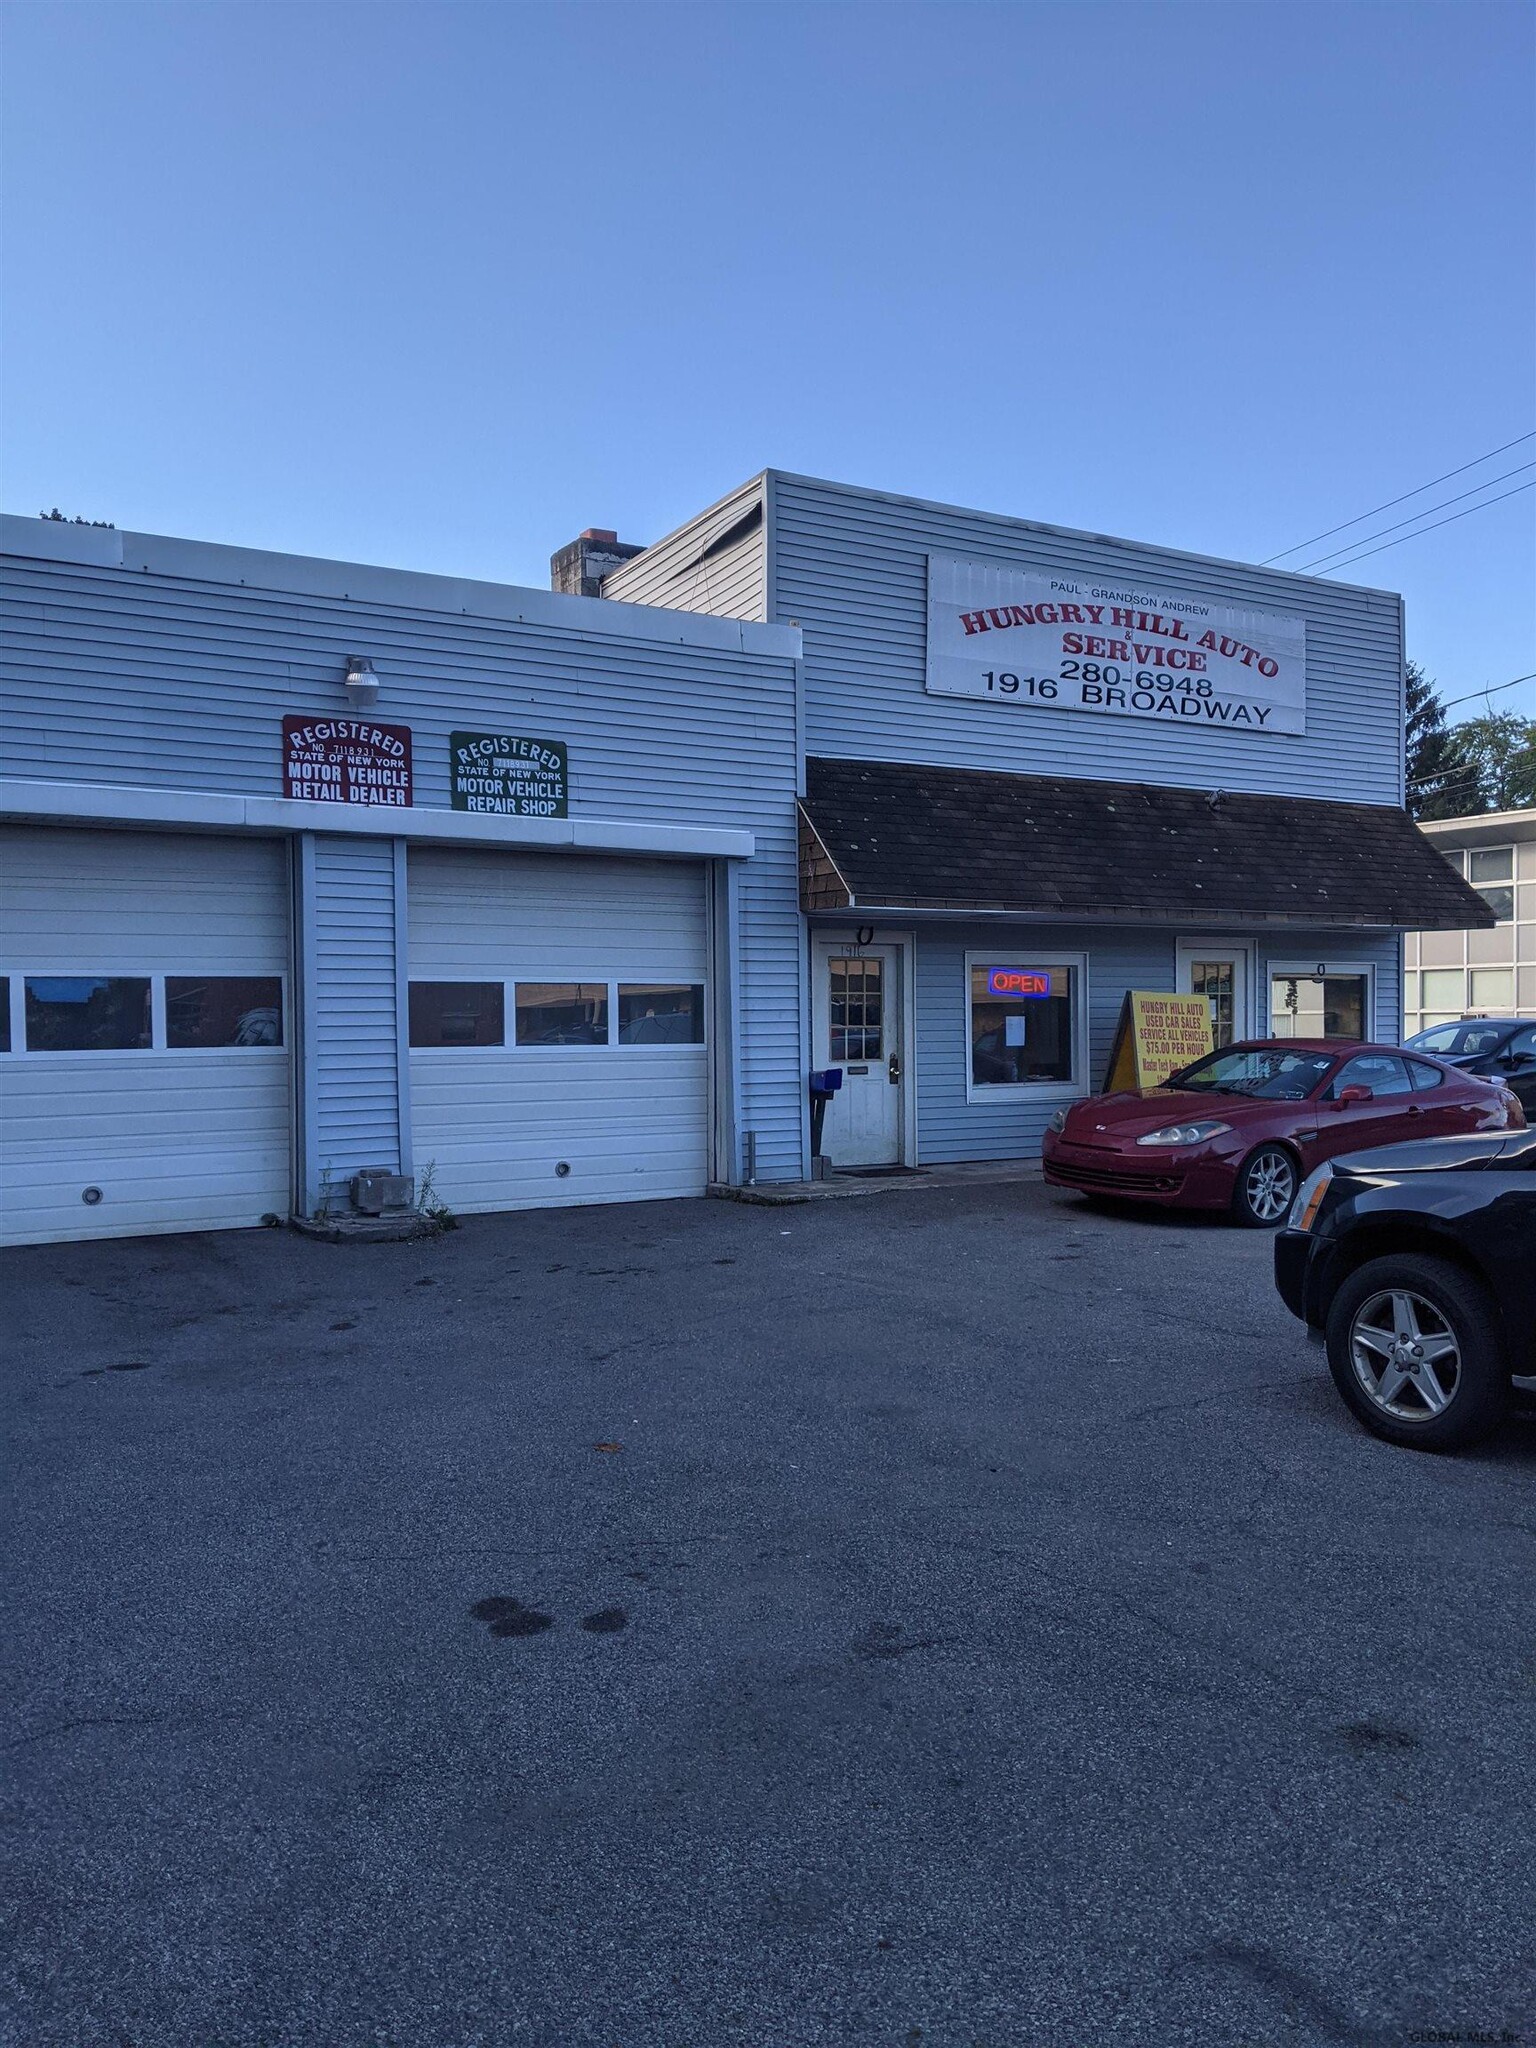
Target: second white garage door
(557, 1028)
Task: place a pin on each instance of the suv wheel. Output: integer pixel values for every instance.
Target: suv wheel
(1265, 1188)
(1415, 1349)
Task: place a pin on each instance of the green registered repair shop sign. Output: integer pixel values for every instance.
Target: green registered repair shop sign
(507, 776)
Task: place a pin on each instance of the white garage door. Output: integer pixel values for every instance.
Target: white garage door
(144, 1077)
(557, 1028)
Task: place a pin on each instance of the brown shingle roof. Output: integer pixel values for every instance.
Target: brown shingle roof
(903, 836)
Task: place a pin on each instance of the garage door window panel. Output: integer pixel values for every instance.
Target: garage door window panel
(562, 1013)
(88, 1013)
(661, 1013)
(454, 1015)
(205, 1012)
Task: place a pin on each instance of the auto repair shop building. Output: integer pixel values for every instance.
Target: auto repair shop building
(1044, 767)
(307, 868)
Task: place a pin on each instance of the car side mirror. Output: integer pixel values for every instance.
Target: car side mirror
(1355, 1092)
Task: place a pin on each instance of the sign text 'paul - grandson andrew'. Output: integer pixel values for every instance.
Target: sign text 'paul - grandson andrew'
(1080, 643)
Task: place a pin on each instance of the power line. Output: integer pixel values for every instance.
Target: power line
(1456, 771)
(1451, 521)
(1423, 513)
(1327, 531)
(1491, 691)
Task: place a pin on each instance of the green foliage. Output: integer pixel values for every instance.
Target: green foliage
(1427, 747)
(1495, 760)
(1483, 764)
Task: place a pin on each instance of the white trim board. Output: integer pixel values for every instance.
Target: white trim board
(87, 803)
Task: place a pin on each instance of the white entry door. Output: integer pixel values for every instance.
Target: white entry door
(1218, 970)
(858, 1028)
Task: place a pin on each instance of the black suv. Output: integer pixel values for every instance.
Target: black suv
(1417, 1265)
(1504, 1048)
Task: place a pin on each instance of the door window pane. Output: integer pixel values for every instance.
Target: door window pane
(223, 1009)
(562, 1013)
(88, 1013)
(1317, 1006)
(1522, 1046)
(1216, 981)
(1021, 1037)
(856, 1009)
(661, 1013)
(458, 1013)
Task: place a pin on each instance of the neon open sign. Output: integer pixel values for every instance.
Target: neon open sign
(1018, 981)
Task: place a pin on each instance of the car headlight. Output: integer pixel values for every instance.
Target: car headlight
(1058, 1121)
(1309, 1199)
(1184, 1134)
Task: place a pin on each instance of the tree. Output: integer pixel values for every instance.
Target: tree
(1491, 767)
(1430, 756)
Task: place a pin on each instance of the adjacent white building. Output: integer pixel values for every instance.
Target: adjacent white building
(1489, 972)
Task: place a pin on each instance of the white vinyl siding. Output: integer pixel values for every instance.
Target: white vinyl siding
(493, 1124)
(183, 1140)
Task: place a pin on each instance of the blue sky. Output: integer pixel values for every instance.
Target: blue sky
(439, 285)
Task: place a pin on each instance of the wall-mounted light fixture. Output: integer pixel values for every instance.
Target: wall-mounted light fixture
(362, 682)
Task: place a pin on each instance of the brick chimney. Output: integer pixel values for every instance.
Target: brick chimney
(578, 570)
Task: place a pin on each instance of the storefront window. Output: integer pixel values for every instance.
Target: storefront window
(457, 1013)
(1319, 1005)
(661, 1013)
(224, 1009)
(88, 1013)
(562, 1013)
(1021, 1023)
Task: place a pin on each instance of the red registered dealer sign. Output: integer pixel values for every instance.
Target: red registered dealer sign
(346, 761)
(1018, 981)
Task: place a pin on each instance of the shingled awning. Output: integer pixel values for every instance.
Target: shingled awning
(900, 836)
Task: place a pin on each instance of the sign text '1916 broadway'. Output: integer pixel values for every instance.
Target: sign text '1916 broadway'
(507, 775)
(346, 761)
(1067, 642)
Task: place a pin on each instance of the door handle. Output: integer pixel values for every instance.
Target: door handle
(1415, 1109)
(894, 1068)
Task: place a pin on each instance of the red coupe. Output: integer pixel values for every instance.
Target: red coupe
(1242, 1128)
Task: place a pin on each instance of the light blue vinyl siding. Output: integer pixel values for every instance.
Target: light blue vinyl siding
(1009, 1123)
(850, 566)
(177, 676)
(350, 1023)
(700, 567)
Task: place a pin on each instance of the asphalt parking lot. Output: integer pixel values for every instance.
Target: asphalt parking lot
(941, 1618)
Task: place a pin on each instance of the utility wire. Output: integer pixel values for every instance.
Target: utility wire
(1492, 690)
(1457, 771)
(1327, 531)
(1467, 514)
(1423, 513)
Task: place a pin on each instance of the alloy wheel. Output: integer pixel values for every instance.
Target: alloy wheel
(1269, 1185)
(1405, 1355)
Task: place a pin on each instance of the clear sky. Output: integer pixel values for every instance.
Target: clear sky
(439, 285)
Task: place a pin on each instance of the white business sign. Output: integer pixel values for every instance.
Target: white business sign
(1069, 642)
